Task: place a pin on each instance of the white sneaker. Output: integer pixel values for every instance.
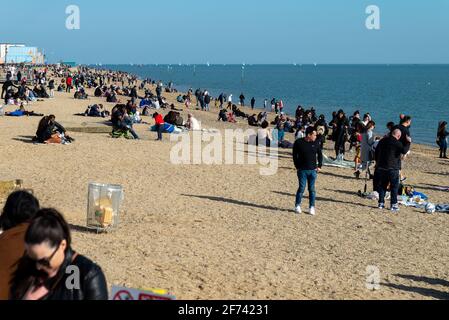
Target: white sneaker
(298, 210)
(312, 211)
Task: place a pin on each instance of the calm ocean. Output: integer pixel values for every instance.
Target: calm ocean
(385, 91)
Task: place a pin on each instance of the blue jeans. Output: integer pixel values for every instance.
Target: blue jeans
(306, 177)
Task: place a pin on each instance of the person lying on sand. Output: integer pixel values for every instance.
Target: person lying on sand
(22, 112)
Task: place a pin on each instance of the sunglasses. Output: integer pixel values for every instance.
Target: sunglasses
(46, 262)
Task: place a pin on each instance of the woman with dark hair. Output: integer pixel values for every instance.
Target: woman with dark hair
(442, 139)
(20, 208)
(367, 147)
(50, 269)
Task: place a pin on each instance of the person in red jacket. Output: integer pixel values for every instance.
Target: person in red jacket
(159, 125)
(69, 82)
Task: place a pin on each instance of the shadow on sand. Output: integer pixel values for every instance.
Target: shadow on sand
(236, 202)
(432, 293)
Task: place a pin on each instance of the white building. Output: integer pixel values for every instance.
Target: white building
(19, 53)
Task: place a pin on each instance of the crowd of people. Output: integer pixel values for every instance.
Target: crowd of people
(387, 152)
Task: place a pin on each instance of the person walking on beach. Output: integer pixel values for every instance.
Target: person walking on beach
(281, 106)
(242, 100)
(207, 100)
(221, 99)
(340, 130)
(265, 104)
(51, 86)
(367, 152)
(388, 156)
(253, 103)
(442, 139)
(197, 96)
(308, 159)
(160, 124)
(69, 82)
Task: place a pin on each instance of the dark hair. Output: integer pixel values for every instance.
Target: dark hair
(48, 226)
(406, 119)
(371, 124)
(310, 130)
(20, 207)
(390, 125)
(265, 125)
(441, 127)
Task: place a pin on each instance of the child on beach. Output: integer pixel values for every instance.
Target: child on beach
(358, 153)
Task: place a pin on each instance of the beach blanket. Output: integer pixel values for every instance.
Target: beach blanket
(168, 128)
(338, 163)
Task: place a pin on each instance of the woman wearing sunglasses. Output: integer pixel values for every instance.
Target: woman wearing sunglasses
(50, 269)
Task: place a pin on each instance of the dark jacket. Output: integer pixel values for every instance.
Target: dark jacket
(307, 155)
(443, 135)
(405, 133)
(92, 281)
(388, 154)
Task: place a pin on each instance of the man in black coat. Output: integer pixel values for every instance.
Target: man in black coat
(389, 153)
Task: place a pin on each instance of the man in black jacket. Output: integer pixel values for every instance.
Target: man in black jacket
(308, 158)
(388, 164)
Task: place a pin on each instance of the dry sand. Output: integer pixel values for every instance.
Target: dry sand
(226, 232)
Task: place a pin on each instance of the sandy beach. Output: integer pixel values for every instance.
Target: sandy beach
(226, 232)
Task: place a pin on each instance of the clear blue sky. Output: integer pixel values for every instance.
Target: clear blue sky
(232, 31)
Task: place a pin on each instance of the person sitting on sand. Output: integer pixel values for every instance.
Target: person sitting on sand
(264, 135)
(192, 123)
(121, 123)
(112, 98)
(145, 102)
(263, 116)
(238, 113)
(81, 94)
(252, 121)
(98, 92)
(223, 116)
(51, 132)
(231, 118)
(96, 110)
